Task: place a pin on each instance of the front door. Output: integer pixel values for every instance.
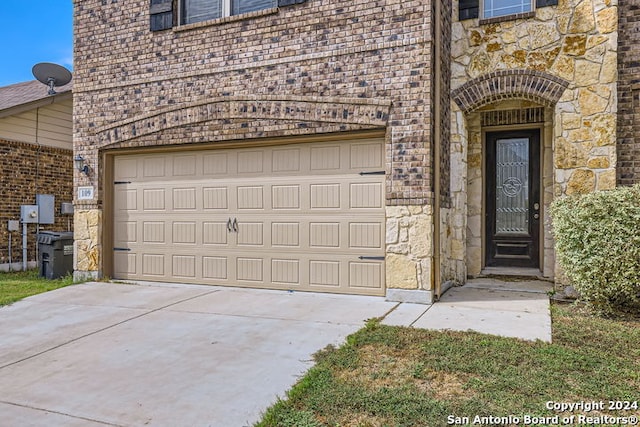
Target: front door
(513, 199)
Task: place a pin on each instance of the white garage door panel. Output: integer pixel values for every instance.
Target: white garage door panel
(288, 217)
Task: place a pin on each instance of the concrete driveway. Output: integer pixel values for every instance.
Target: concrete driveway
(163, 355)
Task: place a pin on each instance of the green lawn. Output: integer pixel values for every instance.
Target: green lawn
(393, 376)
(18, 285)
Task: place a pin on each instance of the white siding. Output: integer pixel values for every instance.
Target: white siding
(54, 125)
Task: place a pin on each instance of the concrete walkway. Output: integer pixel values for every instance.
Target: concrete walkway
(182, 355)
(518, 309)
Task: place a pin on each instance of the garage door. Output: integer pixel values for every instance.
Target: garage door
(302, 216)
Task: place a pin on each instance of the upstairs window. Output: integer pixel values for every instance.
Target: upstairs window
(163, 14)
(500, 9)
(495, 8)
(204, 10)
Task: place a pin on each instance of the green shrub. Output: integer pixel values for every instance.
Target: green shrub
(598, 246)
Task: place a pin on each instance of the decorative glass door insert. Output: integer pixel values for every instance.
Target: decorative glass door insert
(512, 191)
(513, 198)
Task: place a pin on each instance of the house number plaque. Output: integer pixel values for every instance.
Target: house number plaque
(85, 193)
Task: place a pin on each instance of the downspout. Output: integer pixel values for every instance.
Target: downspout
(437, 116)
(25, 228)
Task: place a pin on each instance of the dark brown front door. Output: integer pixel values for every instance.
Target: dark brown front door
(513, 199)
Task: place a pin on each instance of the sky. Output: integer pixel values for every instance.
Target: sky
(33, 31)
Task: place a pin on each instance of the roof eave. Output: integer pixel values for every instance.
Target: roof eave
(52, 99)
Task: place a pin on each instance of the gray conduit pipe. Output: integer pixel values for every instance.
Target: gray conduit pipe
(24, 246)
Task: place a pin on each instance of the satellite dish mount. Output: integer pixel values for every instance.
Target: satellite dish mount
(52, 75)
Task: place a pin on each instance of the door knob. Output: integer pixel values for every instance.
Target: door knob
(229, 226)
(536, 216)
(235, 225)
(536, 206)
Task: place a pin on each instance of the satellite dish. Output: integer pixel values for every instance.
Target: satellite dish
(53, 75)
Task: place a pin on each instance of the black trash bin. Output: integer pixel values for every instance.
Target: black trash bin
(56, 253)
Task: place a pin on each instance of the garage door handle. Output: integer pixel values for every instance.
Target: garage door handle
(371, 258)
(235, 225)
(229, 226)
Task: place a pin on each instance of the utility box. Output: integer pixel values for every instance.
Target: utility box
(29, 214)
(13, 225)
(46, 208)
(56, 253)
(66, 208)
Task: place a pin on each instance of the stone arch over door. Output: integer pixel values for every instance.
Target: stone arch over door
(501, 100)
(536, 86)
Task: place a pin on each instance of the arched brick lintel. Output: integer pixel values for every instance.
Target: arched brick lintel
(500, 85)
(301, 109)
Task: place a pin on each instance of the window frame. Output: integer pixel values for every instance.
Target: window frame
(482, 16)
(470, 9)
(226, 12)
(182, 14)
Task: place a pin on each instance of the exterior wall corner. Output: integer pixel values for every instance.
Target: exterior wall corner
(409, 247)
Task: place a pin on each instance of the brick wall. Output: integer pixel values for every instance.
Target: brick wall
(27, 170)
(310, 68)
(628, 134)
(445, 103)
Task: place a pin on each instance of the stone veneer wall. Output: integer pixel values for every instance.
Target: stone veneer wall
(459, 220)
(311, 68)
(87, 235)
(573, 45)
(629, 93)
(409, 246)
(27, 170)
(452, 218)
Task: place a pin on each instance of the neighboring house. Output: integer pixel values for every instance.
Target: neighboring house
(36, 153)
(366, 147)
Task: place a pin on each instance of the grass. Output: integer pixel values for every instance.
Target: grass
(394, 376)
(18, 285)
